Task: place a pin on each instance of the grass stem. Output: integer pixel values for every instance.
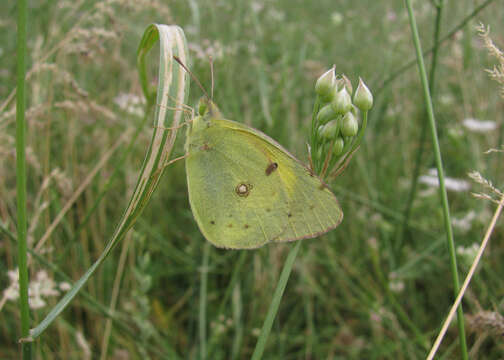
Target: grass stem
(439, 165)
(423, 132)
(203, 301)
(275, 302)
(21, 176)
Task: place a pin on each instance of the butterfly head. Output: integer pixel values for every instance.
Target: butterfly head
(208, 109)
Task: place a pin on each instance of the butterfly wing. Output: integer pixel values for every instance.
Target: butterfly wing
(246, 190)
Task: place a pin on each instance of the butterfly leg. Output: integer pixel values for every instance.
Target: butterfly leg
(158, 171)
(174, 127)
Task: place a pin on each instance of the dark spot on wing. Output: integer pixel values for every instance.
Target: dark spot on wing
(212, 222)
(270, 168)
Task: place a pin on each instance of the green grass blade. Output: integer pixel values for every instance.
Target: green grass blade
(423, 132)
(275, 302)
(172, 91)
(439, 165)
(21, 176)
(203, 301)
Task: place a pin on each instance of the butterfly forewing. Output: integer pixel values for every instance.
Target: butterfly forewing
(246, 190)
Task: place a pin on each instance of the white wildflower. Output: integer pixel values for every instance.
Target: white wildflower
(480, 126)
(276, 15)
(46, 285)
(131, 103)
(36, 302)
(256, 6)
(396, 286)
(468, 254)
(12, 292)
(464, 223)
(337, 18)
(208, 49)
(42, 286)
(446, 99)
(452, 184)
(64, 286)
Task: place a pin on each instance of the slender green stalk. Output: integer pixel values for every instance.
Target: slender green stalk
(313, 143)
(203, 301)
(423, 132)
(21, 176)
(275, 302)
(439, 165)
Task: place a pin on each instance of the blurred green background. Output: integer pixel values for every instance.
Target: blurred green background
(375, 288)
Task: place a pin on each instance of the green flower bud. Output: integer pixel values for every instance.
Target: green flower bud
(342, 103)
(344, 82)
(339, 144)
(330, 130)
(363, 98)
(350, 126)
(325, 114)
(320, 130)
(325, 85)
(354, 110)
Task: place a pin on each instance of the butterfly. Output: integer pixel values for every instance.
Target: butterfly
(246, 190)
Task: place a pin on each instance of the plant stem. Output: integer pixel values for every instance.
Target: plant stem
(21, 176)
(203, 300)
(423, 132)
(439, 165)
(275, 302)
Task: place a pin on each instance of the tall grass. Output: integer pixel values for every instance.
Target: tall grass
(21, 176)
(440, 172)
(354, 293)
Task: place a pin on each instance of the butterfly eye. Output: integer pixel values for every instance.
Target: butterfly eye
(243, 189)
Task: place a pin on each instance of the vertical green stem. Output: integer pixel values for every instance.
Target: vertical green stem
(275, 302)
(203, 300)
(423, 132)
(21, 176)
(439, 165)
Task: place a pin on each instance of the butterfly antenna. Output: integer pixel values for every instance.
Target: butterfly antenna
(177, 59)
(212, 76)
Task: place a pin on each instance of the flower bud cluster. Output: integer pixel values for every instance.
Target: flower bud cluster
(336, 120)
